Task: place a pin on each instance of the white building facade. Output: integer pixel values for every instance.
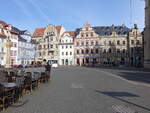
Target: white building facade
(66, 49)
(2, 46)
(26, 49)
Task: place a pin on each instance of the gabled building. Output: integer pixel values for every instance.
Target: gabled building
(47, 40)
(86, 46)
(113, 45)
(66, 48)
(105, 45)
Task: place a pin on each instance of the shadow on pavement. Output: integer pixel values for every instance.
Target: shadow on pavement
(116, 95)
(133, 74)
(122, 68)
(136, 76)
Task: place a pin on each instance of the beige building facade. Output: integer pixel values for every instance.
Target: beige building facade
(108, 46)
(47, 40)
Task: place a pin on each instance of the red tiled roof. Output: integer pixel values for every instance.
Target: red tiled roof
(3, 23)
(71, 33)
(58, 28)
(39, 31)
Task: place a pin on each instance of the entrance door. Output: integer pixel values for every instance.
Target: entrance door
(66, 61)
(78, 61)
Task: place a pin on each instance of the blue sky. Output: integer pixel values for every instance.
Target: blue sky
(31, 14)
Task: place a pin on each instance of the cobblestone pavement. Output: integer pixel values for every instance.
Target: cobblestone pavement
(84, 90)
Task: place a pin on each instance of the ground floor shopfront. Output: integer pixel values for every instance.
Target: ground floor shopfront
(66, 61)
(96, 61)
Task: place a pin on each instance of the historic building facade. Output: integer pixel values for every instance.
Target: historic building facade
(47, 40)
(2, 46)
(108, 45)
(147, 35)
(113, 44)
(86, 46)
(66, 48)
(135, 47)
(26, 48)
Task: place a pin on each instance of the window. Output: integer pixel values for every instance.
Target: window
(82, 51)
(92, 43)
(132, 41)
(51, 38)
(2, 49)
(70, 53)
(62, 53)
(96, 42)
(82, 43)
(66, 53)
(14, 44)
(62, 47)
(110, 50)
(87, 51)
(82, 35)
(87, 43)
(40, 54)
(137, 42)
(39, 47)
(96, 51)
(66, 46)
(47, 46)
(118, 50)
(118, 42)
(51, 46)
(11, 52)
(66, 41)
(92, 51)
(109, 42)
(123, 51)
(77, 51)
(124, 42)
(77, 43)
(104, 51)
(87, 35)
(70, 46)
(44, 46)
